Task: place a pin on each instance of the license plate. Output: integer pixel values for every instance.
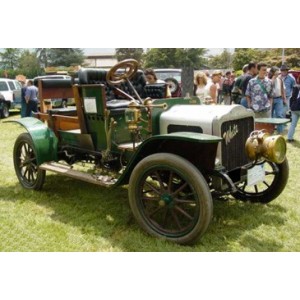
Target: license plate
(256, 175)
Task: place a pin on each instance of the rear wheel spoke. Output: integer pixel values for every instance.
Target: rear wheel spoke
(184, 213)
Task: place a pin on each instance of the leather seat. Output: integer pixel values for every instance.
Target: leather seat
(98, 76)
(56, 83)
(155, 91)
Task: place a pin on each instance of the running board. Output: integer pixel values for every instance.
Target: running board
(65, 170)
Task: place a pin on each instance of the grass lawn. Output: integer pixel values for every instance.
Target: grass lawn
(70, 215)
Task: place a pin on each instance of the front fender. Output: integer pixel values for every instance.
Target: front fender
(200, 149)
(44, 139)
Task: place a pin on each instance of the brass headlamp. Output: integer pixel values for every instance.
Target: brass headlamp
(133, 115)
(262, 144)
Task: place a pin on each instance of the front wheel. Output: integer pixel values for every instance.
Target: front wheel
(276, 177)
(170, 198)
(25, 162)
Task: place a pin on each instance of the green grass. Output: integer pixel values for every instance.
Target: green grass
(70, 215)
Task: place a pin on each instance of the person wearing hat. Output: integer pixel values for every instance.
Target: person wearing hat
(289, 82)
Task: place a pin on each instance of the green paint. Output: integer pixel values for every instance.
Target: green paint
(44, 139)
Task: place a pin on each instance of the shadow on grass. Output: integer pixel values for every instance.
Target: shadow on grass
(105, 213)
(295, 144)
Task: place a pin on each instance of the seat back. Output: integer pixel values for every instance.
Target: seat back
(98, 76)
(155, 91)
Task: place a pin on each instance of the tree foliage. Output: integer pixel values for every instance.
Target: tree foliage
(175, 57)
(65, 57)
(221, 61)
(291, 57)
(125, 53)
(56, 57)
(29, 64)
(243, 56)
(10, 58)
(43, 55)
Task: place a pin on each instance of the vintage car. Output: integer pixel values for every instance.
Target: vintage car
(175, 155)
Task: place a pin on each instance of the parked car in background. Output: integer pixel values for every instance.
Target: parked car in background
(56, 102)
(173, 78)
(10, 90)
(296, 74)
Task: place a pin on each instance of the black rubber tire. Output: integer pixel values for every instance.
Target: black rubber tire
(176, 216)
(27, 171)
(4, 112)
(273, 186)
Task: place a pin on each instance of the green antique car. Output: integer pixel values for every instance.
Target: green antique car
(175, 154)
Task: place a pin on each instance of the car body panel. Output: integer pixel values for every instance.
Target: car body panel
(43, 138)
(173, 143)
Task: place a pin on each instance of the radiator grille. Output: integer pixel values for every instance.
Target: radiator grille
(233, 148)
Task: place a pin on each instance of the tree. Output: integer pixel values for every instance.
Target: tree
(10, 58)
(292, 57)
(29, 64)
(243, 56)
(43, 56)
(65, 57)
(221, 61)
(190, 57)
(175, 57)
(160, 58)
(125, 53)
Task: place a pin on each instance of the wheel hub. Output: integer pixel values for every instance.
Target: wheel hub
(166, 199)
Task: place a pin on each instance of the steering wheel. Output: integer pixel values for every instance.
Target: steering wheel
(130, 67)
(114, 77)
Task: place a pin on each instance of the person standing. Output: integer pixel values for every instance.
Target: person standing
(199, 86)
(23, 100)
(212, 88)
(289, 82)
(226, 88)
(251, 73)
(31, 97)
(236, 92)
(279, 100)
(295, 110)
(259, 93)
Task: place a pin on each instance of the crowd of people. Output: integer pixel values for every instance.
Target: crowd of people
(269, 92)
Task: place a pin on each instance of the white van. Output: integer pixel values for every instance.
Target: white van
(10, 90)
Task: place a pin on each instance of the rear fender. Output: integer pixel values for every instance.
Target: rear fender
(44, 139)
(200, 149)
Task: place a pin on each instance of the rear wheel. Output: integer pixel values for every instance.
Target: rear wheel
(4, 112)
(170, 198)
(276, 177)
(25, 162)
